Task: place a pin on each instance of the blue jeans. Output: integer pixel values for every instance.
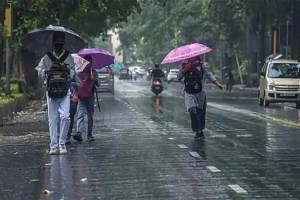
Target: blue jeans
(85, 106)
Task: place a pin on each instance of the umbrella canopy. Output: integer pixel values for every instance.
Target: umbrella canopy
(101, 57)
(185, 52)
(40, 41)
(80, 63)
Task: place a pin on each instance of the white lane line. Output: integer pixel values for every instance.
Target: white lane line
(213, 169)
(244, 135)
(238, 189)
(195, 154)
(218, 136)
(182, 146)
(171, 138)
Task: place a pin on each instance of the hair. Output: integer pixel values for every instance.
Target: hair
(58, 37)
(88, 58)
(156, 65)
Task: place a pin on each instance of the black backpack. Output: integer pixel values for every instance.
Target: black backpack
(193, 80)
(58, 82)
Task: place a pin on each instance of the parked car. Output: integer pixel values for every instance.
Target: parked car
(279, 82)
(172, 76)
(106, 79)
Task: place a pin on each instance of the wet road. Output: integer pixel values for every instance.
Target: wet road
(144, 149)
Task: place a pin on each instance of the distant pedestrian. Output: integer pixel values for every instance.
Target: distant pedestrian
(229, 80)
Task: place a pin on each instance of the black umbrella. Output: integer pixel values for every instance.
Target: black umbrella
(40, 41)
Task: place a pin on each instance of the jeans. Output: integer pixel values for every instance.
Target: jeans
(85, 106)
(58, 108)
(73, 110)
(197, 118)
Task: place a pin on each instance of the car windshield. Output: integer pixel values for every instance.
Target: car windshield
(284, 70)
(102, 70)
(174, 72)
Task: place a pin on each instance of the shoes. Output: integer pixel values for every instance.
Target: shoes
(53, 151)
(77, 137)
(68, 141)
(62, 149)
(199, 135)
(90, 138)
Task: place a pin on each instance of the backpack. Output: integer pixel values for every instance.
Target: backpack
(86, 87)
(57, 80)
(193, 80)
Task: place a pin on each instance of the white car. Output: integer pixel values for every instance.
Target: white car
(172, 76)
(138, 69)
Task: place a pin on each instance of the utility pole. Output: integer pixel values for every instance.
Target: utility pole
(7, 34)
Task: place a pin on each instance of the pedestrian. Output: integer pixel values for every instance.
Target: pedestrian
(192, 74)
(89, 79)
(57, 68)
(75, 85)
(229, 80)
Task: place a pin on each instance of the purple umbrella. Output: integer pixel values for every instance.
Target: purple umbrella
(101, 57)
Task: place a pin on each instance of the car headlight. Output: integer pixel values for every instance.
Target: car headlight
(271, 87)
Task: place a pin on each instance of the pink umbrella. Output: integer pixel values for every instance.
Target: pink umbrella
(185, 52)
(100, 57)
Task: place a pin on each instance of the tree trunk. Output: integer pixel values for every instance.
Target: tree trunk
(2, 15)
(262, 33)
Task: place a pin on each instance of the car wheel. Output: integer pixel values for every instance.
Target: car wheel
(298, 105)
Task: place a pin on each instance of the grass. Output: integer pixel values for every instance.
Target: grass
(14, 94)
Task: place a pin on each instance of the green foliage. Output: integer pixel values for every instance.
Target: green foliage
(88, 18)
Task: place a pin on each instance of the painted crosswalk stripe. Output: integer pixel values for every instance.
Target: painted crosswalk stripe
(213, 169)
(238, 189)
(182, 146)
(171, 138)
(195, 154)
(244, 135)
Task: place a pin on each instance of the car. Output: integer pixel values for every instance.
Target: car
(172, 75)
(106, 79)
(141, 71)
(279, 82)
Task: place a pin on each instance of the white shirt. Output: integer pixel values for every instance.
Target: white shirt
(46, 63)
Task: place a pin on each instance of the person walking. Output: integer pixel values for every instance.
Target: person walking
(192, 74)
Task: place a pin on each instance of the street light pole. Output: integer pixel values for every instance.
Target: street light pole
(287, 38)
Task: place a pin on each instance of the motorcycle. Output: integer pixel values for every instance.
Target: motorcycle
(156, 86)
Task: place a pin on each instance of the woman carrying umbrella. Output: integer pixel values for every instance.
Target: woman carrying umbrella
(192, 72)
(194, 96)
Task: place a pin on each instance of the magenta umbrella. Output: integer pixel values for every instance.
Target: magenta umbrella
(185, 52)
(101, 57)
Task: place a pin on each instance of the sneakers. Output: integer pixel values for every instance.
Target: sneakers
(77, 137)
(90, 138)
(62, 149)
(199, 135)
(53, 151)
(68, 141)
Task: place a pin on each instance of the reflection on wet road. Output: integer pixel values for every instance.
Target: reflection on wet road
(144, 149)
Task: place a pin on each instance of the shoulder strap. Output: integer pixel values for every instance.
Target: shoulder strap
(52, 57)
(61, 59)
(64, 56)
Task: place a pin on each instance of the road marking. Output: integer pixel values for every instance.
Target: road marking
(171, 138)
(285, 121)
(238, 189)
(218, 136)
(245, 135)
(182, 146)
(213, 169)
(195, 154)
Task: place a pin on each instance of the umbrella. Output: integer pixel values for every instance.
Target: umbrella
(101, 57)
(40, 41)
(80, 63)
(185, 52)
